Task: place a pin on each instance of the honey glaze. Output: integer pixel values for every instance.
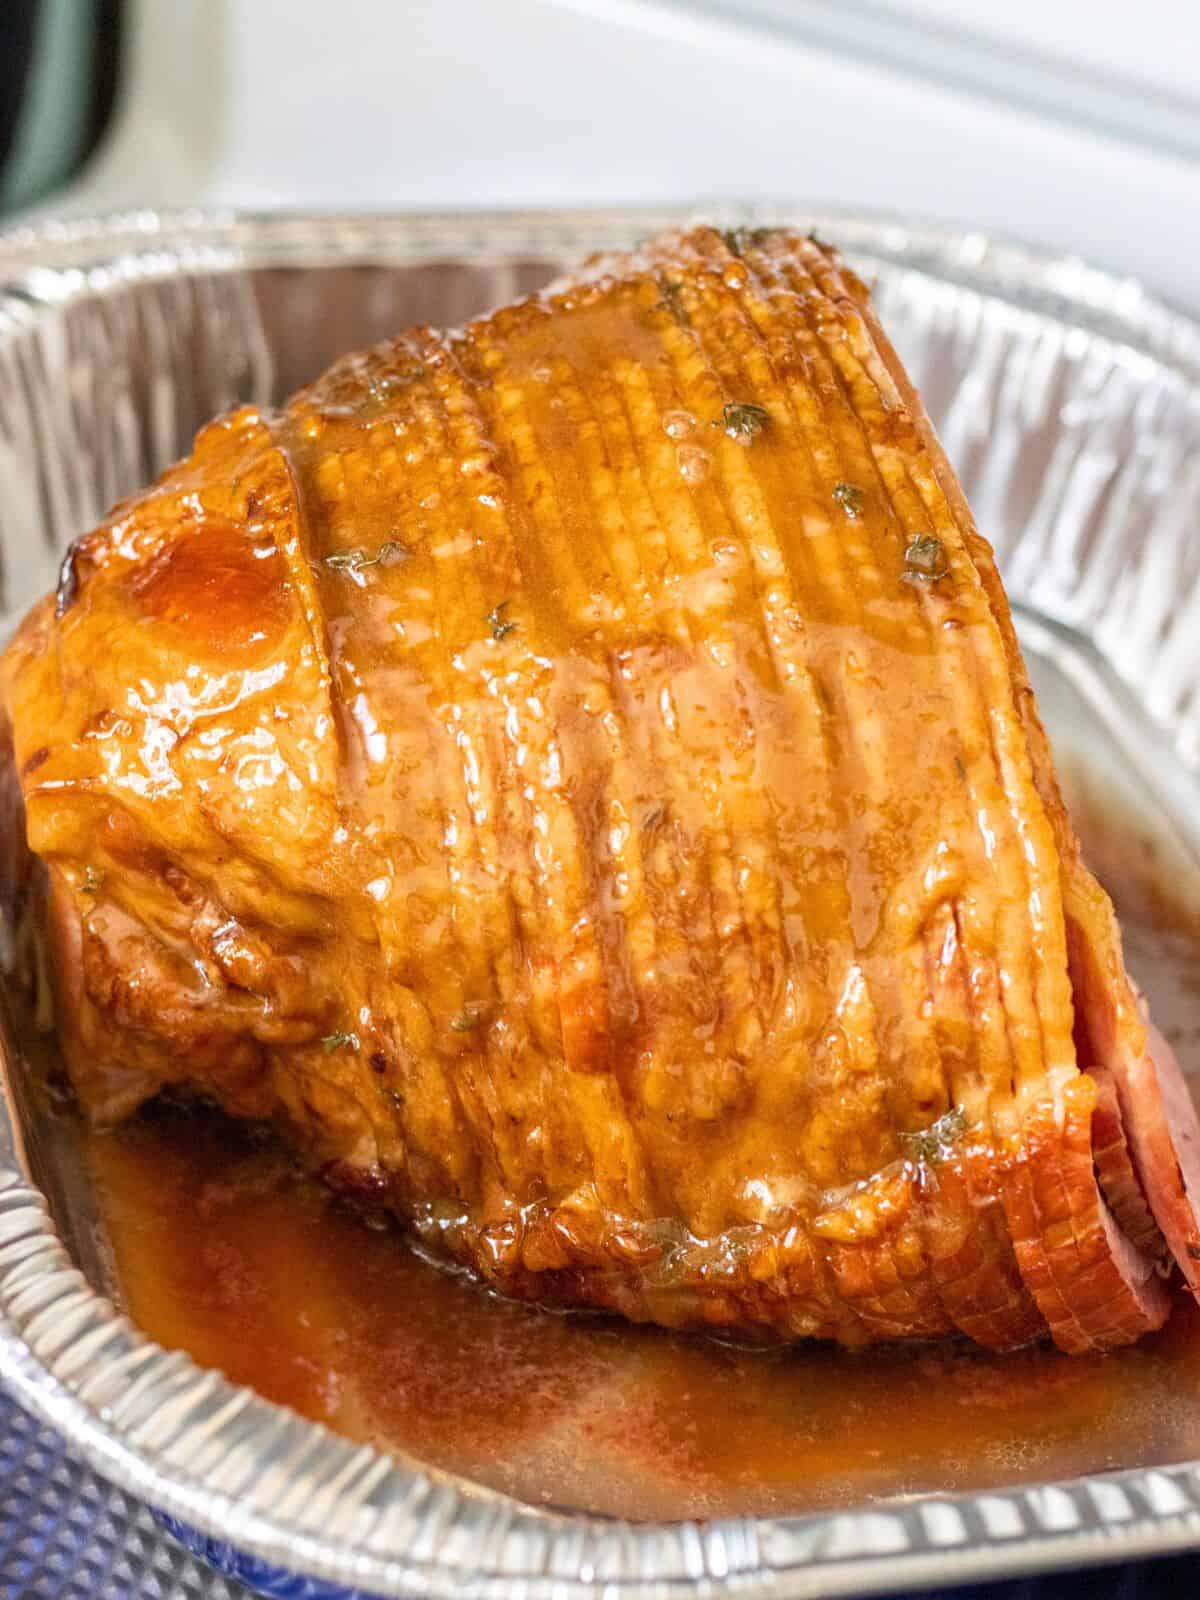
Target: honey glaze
(224, 1250)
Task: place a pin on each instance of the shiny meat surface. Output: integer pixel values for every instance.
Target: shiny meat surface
(577, 777)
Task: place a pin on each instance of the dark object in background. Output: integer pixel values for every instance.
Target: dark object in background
(58, 80)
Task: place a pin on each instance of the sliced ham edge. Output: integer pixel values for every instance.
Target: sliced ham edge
(1159, 1121)
(1117, 1172)
(1163, 1131)
(1096, 1289)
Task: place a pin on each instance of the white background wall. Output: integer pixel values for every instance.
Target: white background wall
(1074, 123)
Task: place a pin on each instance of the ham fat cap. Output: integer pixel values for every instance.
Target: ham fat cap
(577, 777)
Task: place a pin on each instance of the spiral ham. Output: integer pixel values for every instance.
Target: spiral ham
(577, 778)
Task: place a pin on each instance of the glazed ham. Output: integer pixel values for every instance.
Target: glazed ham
(577, 778)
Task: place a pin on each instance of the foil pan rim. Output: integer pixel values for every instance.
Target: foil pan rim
(217, 1456)
(77, 249)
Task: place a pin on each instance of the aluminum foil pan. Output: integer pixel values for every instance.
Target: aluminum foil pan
(1070, 404)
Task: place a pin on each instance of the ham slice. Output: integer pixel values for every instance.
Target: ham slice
(1160, 1117)
(1119, 1182)
(576, 777)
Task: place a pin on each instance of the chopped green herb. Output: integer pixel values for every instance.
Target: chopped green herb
(500, 625)
(467, 1020)
(815, 238)
(742, 419)
(925, 559)
(672, 301)
(339, 1041)
(930, 1144)
(357, 559)
(737, 240)
(851, 499)
(666, 1232)
(91, 881)
(383, 385)
(731, 1257)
